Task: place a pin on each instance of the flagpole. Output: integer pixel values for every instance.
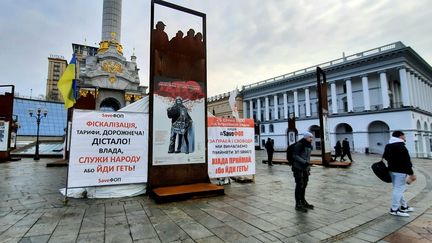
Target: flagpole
(69, 118)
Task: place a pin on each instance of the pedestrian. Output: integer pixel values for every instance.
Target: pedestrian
(338, 150)
(346, 150)
(400, 167)
(270, 150)
(301, 170)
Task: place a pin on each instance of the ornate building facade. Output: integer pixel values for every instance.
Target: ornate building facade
(106, 73)
(371, 94)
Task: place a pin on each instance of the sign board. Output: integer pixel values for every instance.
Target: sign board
(177, 98)
(178, 122)
(231, 147)
(108, 148)
(4, 135)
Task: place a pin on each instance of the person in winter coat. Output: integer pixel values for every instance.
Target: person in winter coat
(400, 167)
(346, 150)
(301, 170)
(270, 150)
(338, 150)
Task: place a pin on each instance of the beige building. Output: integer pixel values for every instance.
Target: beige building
(56, 67)
(218, 105)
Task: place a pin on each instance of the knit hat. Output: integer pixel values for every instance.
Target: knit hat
(307, 134)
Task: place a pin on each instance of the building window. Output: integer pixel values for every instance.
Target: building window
(271, 128)
(263, 128)
(344, 89)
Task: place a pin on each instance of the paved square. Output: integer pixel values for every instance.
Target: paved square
(351, 205)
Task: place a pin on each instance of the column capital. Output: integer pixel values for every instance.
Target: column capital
(347, 79)
(365, 75)
(382, 71)
(402, 67)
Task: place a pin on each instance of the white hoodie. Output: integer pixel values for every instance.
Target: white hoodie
(396, 140)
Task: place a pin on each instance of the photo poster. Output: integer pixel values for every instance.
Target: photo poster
(177, 86)
(4, 135)
(231, 147)
(178, 122)
(108, 148)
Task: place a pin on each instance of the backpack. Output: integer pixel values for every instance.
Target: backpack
(290, 153)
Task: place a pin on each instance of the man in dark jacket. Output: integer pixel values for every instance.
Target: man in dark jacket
(338, 150)
(399, 165)
(270, 150)
(301, 170)
(346, 150)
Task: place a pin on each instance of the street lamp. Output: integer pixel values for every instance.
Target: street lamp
(38, 116)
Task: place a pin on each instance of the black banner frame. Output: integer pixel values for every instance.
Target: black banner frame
(322, 105)
(155, 172)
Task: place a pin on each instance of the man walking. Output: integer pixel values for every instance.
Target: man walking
(399, 165)
(270, 151)
(346, 150)
(338, 150)
(301, 170)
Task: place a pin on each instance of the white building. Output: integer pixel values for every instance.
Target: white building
(370, 94)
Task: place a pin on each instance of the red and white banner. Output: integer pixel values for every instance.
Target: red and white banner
(231, 147)
(108, 148)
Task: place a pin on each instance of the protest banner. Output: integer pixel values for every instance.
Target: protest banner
(108, 148)
(4, 135)
(231, 147)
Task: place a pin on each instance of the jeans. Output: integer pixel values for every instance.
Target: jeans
(399, 186)
(301, 179)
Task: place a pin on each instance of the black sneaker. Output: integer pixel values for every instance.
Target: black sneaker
(301, 208)
(406, 209)
(309, 206)
(398, 213)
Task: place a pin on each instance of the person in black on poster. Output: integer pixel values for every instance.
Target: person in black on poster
(270, 151)
(346, 150)
(180, 123)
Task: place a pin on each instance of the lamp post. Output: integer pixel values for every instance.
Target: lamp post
(38, 116)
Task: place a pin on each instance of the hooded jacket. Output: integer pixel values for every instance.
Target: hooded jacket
(397, 156)
(301, 155)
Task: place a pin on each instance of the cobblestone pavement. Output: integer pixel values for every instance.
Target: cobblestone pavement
(351, 205)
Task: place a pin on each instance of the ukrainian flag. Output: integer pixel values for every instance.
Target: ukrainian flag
(66, 84)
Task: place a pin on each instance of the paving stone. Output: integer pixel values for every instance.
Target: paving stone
(152, 240)
(142, 231)
(91, 237)
(93, 224)
(227, 233)
(67, 230)
(244, 228)
(36, 239)
(210, 222)
(367, 237)
(169, 231)
(196, 231)
(41, 229)
(15, 231)
(211, 239)
(63, 239)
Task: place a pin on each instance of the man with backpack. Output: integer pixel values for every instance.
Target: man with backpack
(299, 156)
(400, 167)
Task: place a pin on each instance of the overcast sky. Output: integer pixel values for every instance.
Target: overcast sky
(247, 40)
